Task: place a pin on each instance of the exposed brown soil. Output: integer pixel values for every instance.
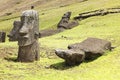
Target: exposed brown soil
(47, 52)
(6, 52)
(13, 6)
(45, 33)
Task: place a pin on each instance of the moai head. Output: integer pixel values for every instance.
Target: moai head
(14, 33)
(26, 31)
(29, 31)
(64, 21)
(67, 15)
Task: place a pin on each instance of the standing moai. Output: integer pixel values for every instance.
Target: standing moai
(64, 21)
(2, 36)
(26, 32)
(14, 33)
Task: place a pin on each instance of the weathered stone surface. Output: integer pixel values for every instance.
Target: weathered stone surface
(2, 36)
(26, 32)
(71, 57)
(72, 24)
(92, 47)
(65, 22)
(29, 53)
(14, 33)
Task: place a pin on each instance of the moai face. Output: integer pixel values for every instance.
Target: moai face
(13, 36)
(64, 21)
(67, 15)
(29, 31)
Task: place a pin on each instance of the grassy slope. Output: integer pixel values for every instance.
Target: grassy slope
(103, 68)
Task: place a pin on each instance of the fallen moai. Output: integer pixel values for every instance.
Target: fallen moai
(65, 22)
(100, 12)
(92, 47)
(26, 32)
(71, 57)
(88, 49)
(2, 36)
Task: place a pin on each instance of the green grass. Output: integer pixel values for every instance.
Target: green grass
(105, 27)
(105, 67)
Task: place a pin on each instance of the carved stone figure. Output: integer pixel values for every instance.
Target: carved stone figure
(26, 32)
(88, 49)
(2, 36)
(65, 22)
(71, 57)
(93, 47)
(14, 33)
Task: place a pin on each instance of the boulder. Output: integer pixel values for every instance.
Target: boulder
(93, 47)
(71, 57)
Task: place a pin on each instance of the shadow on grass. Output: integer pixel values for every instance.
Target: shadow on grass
(61, 66)
(13, 59)
(92, 59)
(64, 66)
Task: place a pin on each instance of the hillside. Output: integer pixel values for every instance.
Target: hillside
(50, 67)
(8, 6)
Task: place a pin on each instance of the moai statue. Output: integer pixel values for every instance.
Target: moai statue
(14, 33)
(89, 49)
(64, 21)
(2, 36)
(27, 36)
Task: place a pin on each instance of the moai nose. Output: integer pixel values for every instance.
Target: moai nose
(10, 35)
(23, 31)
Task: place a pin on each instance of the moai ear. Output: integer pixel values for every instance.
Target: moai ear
(36, 35)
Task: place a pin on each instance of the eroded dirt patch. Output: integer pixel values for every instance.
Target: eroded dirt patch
(6, 52)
